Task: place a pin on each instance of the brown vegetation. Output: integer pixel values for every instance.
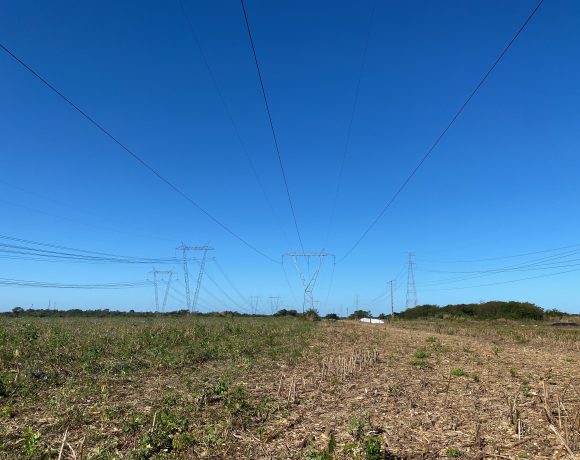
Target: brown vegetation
(285, 388)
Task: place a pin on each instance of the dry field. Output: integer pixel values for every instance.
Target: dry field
(268, 388)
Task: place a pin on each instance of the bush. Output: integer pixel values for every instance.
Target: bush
(332, 316)
(358, 314)
(311, 315)
(488, 310)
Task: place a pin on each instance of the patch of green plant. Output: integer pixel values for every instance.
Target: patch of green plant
(431, 339)
(422, 353)
(454, 452)
(159, 439)
(440, 348)
(359, 425)
(325, 454)
(372, 447)
(526, 389)
(237, 400)
(421, 364)
(31, 444)
(457, 373)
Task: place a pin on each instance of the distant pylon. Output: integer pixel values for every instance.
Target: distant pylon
(255, 302)
(184, 250)
(308, 275)
(411, 289)
(392, 301)
(156, 287)
(199, 278)
(274, 303)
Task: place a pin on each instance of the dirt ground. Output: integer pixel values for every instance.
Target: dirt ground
(300, 390)
(469, 397)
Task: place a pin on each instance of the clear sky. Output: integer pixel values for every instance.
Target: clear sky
(504, 180)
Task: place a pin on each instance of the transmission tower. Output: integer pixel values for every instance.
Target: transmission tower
(199, 277)
(254, 303)
(411, 289)
(392, 300)
(156, 286)
(184, 248)
(168, 285)
(274, 304)
(309, 272)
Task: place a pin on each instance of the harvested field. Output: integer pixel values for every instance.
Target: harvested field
(286, 388)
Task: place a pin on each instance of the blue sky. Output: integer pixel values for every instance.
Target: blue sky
(503, 181)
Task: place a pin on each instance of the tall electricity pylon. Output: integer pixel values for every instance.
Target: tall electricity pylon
(184, 248)
(254, 304)
(308, 274)
(167, 286)
(392, 301)
(274, 303)
(411, 289)
(199, 278)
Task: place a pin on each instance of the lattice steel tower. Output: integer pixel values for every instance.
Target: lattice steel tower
(156, 287)
(308, 274)
(191, 307)
(411, 289)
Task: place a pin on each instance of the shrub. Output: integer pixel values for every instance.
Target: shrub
(488, 310)
(358, 314)
(311, 315)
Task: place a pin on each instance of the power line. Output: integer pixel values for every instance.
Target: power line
(271, 123)
(48, 284)
(544, 263)
(136, 157)
(229, 281)
(489, 259)
(351, 121)
(83, 255)
(230, 117)
(443, 133)
(547, 275)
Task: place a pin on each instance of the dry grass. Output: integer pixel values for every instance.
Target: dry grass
(331, 390)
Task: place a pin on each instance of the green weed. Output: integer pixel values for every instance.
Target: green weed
(453, 452)
(422, 353)
(421, 364)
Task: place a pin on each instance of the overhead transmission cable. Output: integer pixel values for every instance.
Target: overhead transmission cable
(230, 117)
(546, 275)
(82, 255)
(544, 263)
(346, 147)
(489, 259)
(49, 284)
(135, 156)
(275, 138)
(443, 133)
(229, 281)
